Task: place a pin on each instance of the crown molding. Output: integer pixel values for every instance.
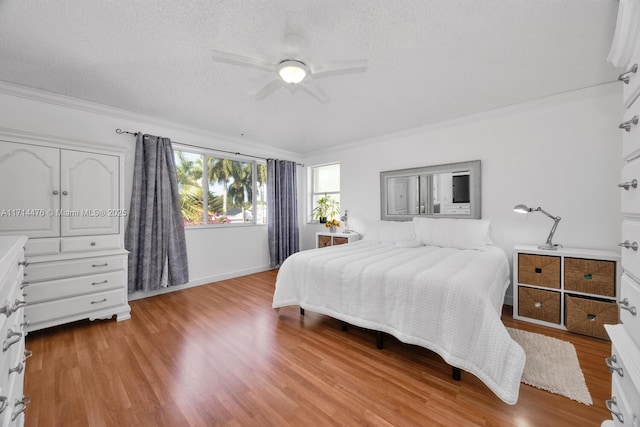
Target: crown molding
(39, 95)
(507, 110)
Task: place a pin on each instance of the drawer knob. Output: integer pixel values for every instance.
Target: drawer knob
(537, 304)
(99, 265)
(25, 262)
(19, 368)
(591, 317)
(65, 193)
(610, 404)
(55, 192)
(624, 304)
(628, 245)
(629, 184)
(11, 341)
(99, 283)
(93, 243)
(99, 302)
(624, 77)
(538, 270)
(588, 277)
(612, 364)
(8, 309)
(627, 125)
(20, 406)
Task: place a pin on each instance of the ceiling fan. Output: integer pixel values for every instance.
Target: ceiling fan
(292, 72)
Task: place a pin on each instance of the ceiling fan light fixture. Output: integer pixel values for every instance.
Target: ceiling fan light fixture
(292, 71)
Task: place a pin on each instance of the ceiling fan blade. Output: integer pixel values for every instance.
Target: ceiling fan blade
(315, 92)
(268, 89)
(241, 60)
(338, 68)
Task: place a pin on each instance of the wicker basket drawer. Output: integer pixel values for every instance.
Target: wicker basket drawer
(539, 270)
(539, 304)
(588, 316)
(340, 241)
(324, 241)
(590, 276)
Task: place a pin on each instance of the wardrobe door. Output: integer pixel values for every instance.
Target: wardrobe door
(89, 194)
(29, 190)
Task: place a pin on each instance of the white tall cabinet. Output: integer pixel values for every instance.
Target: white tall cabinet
(67, 198)
(624, 363)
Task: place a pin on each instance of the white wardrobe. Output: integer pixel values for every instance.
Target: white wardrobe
(67, 197)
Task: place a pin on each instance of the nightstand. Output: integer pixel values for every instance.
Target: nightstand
(326, 238)
(571, 289)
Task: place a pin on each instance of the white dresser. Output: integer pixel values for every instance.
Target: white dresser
(13, 355)
(67, 198)
(624, 363)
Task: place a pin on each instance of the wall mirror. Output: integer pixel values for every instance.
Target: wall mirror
(449, 191)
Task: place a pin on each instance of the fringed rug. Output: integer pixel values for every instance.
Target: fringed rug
(552, 365)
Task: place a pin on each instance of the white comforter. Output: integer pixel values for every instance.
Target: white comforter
(444, 299)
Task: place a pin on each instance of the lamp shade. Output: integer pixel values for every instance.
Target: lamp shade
(292, 71)
(522, 209)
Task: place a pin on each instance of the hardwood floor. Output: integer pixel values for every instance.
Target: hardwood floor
(218, 354)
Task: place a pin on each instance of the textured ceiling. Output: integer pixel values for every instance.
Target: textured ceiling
(428, 60)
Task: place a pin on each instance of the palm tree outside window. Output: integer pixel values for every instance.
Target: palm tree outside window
(227, 192)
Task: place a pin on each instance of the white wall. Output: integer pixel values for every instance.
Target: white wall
(562, 153)
(214, 253)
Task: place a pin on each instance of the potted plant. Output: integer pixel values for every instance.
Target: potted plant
(326, 206)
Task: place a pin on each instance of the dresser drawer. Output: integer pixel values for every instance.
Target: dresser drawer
(630, 197)
(64, 288)
(630, 257)
(42, 247)
(90, 243)
(626, 393)
(48, 311)
(78, 267)
(539, 304)
(588, 316)
(629, 303)
(631, 138)
(631, 89)
(590, 276)
(539, 270)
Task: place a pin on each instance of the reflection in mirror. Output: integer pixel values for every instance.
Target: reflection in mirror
(450, 190)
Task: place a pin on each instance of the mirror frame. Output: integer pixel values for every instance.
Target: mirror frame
(475, 196)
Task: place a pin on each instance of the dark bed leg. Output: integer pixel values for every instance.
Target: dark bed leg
(343, 326)
(379, 342)
(456, 373)
(301, 311)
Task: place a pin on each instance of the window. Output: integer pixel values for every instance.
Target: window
(226, 187)
(323, 180)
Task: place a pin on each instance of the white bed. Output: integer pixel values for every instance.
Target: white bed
(446, 299)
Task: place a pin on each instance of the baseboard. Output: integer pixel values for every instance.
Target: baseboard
(198, 282)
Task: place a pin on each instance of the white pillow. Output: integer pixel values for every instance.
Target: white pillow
(389, 231)
(409, 243)
(372, 232)
(404, 231)
(453, 233)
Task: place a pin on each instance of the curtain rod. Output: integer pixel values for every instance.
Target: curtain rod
(120, 131)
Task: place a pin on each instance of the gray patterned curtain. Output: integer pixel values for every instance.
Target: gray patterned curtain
(155, 233)
(283, 210)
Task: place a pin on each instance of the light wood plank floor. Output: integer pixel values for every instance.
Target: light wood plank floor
(219, 355)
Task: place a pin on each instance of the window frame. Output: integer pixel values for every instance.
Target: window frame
(205, 185)
(310, 189)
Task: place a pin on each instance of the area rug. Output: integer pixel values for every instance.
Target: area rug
(552, 365)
